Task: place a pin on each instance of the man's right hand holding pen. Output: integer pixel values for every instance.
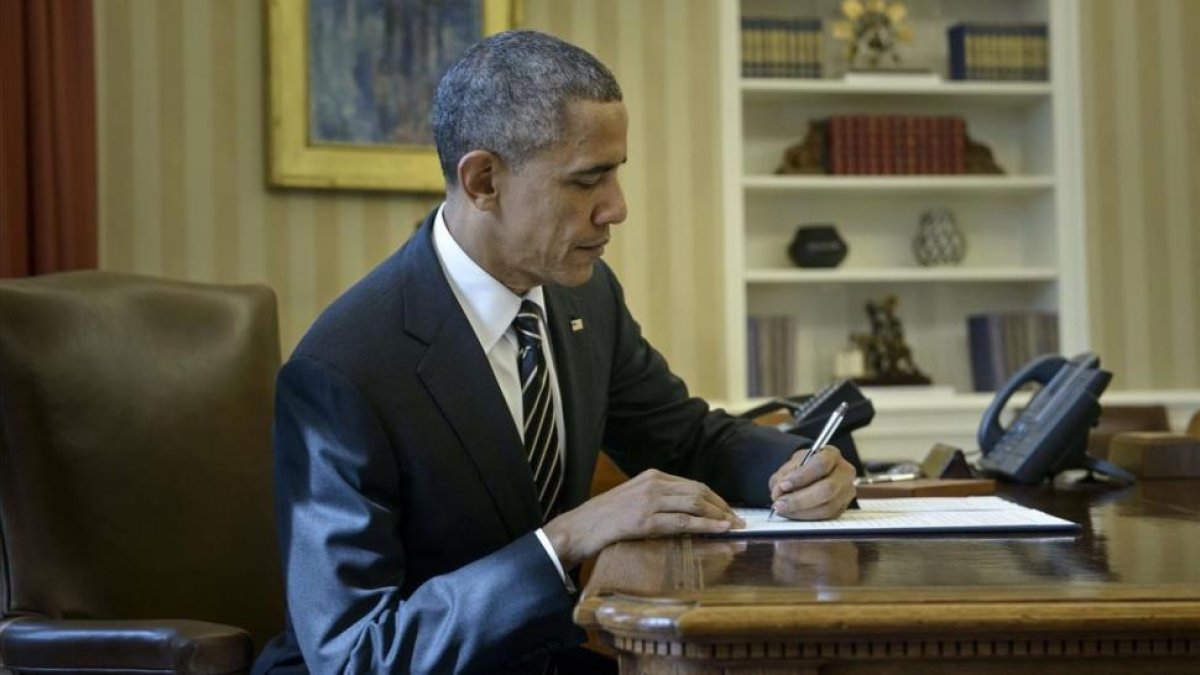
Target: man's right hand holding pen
(814, 485)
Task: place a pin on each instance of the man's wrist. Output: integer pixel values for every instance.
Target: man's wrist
(559, 538)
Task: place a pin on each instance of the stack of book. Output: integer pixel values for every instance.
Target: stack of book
(771, 347)
(980, 51)
(1001, 343)
(896, 144)
(781, 47)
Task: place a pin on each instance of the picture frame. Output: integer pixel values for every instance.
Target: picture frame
(294, 160)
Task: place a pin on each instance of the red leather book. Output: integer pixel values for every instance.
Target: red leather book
(838, 139)
(887, 143)
(936, 153)
(873, 145)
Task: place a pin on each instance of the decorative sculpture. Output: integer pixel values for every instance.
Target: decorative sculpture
(889, 359)
(873, 27)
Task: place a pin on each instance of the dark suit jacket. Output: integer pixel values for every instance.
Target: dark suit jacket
(405, 504)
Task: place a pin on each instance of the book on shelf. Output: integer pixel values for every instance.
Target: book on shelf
(773, 348)
(1001, 343)
(777, 47)
(998, 51)
(895, 144)
(771, 356)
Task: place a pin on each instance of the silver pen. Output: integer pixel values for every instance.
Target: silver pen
(822, 440)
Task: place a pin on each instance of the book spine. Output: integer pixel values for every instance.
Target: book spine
(772, 60)
(979, 342)
(954, 38)
(1041, 57)
(958, 138)
(790, 59)
(834, 149)
(887, 145)
(909, 150)
(1005, 54)
(750, 46)
(936, 151)
(928, 144)
(848, 142)
(861, 150)
(974, 46)
(873, 145)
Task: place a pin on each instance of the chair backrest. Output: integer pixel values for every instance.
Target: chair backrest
(135, 450)
(1118, 419)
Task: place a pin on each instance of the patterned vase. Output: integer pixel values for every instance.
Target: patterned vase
(938, 240)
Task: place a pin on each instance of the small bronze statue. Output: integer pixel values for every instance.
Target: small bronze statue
(888, 358)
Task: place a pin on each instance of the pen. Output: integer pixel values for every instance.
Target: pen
(885, 478)
(822, 440)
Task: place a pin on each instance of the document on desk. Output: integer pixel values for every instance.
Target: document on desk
(916, 515)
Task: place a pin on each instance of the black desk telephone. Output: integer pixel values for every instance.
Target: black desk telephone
(809, 413)
(1050, 434)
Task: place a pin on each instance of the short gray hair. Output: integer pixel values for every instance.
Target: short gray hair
(508, 94)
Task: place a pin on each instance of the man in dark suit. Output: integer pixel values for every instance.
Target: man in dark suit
(437, 428)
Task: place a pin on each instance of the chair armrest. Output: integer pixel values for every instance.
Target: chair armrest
(155, 646)
(1156, 454)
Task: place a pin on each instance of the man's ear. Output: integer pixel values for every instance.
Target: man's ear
(476, 176)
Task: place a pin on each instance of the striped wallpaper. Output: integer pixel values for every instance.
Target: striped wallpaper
(181, 89)
(1141, 102)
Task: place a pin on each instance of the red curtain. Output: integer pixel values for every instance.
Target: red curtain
(47, 137)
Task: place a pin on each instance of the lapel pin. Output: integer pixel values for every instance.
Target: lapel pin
(576, 325)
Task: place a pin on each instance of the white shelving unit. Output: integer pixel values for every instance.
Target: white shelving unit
(1024, 229)
(997, 185)
(903, 275)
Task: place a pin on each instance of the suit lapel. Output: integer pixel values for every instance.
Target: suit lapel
(457, 374)
(572, 342)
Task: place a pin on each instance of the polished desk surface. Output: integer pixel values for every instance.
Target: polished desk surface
(1133, 568)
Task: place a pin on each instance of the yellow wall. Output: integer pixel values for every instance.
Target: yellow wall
(181, 89)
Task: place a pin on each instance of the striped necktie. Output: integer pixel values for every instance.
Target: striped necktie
(537, 397)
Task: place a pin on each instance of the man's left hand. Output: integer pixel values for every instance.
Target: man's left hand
(819, 490)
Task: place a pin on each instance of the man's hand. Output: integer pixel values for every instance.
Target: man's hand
(821, 489)
(652, 504)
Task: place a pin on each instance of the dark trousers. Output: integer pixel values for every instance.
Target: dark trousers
(583, 661)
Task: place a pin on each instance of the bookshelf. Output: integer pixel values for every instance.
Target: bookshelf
(1024, 229)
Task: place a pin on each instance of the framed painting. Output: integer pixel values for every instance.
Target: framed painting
(351, 87)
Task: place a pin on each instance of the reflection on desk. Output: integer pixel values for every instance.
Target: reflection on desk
(1126, 588)
(789, 562)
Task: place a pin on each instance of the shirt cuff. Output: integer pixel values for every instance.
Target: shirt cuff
(541, 535)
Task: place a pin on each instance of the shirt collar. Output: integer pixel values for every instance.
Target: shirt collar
(489, 305)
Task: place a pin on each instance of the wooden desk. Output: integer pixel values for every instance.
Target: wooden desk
(1122, 596)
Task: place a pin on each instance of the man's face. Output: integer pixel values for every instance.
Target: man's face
(554, 212)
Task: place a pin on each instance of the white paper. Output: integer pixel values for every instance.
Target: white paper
(911, 515)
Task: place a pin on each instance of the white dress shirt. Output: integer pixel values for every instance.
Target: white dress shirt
(490, 308)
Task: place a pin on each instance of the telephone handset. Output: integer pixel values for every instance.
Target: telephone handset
(805, 415)
(810, 412)
(1050, 434)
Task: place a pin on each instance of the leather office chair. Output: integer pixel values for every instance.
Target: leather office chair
(136, 518)
(1119, 419)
